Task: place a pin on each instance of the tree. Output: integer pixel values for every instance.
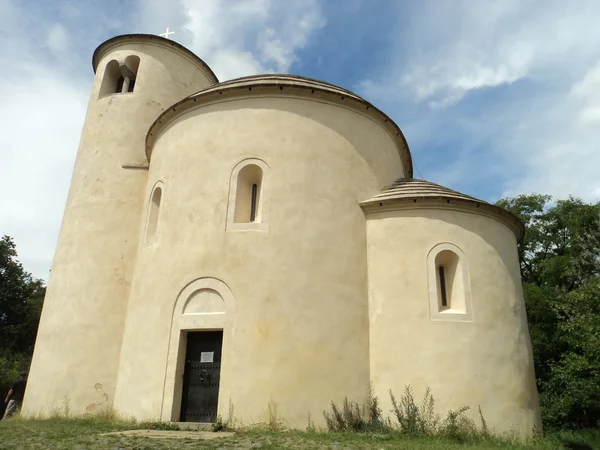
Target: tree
(21, 299)
(560, 269)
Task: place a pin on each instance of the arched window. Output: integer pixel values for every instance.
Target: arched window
(449, 289)
(111, 79)
(153, 215)
(248, 196)
(120, 78)
(449, 282)
(130, 70)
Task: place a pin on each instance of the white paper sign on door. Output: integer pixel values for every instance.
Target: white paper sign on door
(207, 357)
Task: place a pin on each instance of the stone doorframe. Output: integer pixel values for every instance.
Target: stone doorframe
(203, 304)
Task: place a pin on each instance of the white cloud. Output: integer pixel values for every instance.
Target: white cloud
(42, 115)
(42, 110)
(456, 47)
(563, 157)
(587, 91)
(239, 37)
(546, 138)
(57, 38)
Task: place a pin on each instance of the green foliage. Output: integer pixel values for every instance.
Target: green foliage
(21, 299)
(229, 423)
(347, 418)
(275, 422)
(9, 371)
(570, 395)
(154, 425)
(484, 427)
(422, 420)
(458, 426)
(408, 414)
(562, 240)
(374, 411)
(416, 420)
(581, 439)
(412, 419)
(310, 427)
(89, 433)
(218, 425)
(560, 268)
(354, 417)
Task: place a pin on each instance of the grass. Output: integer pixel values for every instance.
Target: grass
(85, 433)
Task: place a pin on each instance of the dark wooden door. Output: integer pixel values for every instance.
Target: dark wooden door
(201, 376)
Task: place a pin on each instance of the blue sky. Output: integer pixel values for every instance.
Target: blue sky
(496, 98)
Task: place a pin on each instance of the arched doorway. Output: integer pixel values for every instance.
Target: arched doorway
(197, 376)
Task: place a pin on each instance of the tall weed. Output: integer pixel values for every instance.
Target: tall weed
(411, 418)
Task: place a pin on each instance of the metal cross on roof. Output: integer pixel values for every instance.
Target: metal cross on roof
(167, 33)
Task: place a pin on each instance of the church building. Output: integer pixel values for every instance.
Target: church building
(260, 245)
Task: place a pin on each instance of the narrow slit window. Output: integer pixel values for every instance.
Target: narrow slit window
(248, 195)
(253, 204)
(450, 282)
(248, 202)
(449, 286)
(443, 292)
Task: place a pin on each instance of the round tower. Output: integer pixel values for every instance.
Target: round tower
(446, 304)
(76, 356)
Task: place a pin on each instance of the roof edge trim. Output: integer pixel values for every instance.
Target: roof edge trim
(259, 84)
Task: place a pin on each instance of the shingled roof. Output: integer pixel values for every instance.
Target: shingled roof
(416, 192)
(412, 188)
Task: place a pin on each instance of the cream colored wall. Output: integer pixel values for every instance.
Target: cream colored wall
(78, 344)
(486, 361)
(298, 335)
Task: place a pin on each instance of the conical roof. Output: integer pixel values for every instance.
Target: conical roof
(411, 188)
(414, 192)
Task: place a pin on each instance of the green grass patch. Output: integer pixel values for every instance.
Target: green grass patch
(86, 433)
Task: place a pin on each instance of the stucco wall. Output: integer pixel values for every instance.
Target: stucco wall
(485, 361)
(78, 344)
(298, 334)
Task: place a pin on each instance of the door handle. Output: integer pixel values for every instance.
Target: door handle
(204, 378)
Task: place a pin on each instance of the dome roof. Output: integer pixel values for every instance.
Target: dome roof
(281, 85)
(411, 188)
(414, 192)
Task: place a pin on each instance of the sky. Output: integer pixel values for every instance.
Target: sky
(496, 98)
